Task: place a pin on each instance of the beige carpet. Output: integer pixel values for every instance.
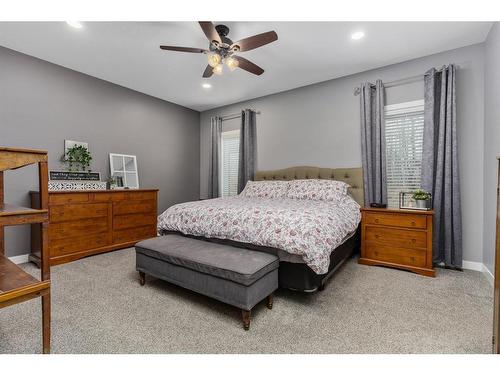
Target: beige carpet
(99, 307)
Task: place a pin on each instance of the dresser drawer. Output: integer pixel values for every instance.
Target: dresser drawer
(408, 257)
(134, 234)
(396, 237)
(68, 198)
(133, 221)
(126, 195)
(130, 207)
(77, 211)
(78, 228)
(396, 220)
(65, 246)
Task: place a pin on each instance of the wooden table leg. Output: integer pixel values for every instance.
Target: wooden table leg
(2, 243)
(46, 323)
(43, 185)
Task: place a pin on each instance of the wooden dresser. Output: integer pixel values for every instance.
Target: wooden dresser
(90, 222)
(397, 238)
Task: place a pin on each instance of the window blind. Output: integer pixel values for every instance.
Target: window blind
(404, 128)
(230, 158)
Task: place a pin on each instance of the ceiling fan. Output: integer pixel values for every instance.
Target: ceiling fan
(221, 49)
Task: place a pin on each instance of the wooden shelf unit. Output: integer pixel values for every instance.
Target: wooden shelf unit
(16, 285)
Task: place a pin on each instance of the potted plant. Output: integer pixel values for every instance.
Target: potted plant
(78, 155)
(422, 198)
(112, 183)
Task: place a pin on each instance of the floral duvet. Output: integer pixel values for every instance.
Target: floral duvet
(308, 228)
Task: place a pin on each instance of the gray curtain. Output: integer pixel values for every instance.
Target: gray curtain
(440, 161)
(215, 147)
(372, 100)
(248, 148)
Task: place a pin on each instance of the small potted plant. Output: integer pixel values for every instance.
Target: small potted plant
(422, 198)
(111, 182)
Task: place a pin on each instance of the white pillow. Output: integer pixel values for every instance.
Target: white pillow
(265, 189)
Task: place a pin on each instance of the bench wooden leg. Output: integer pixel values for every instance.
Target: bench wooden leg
(142, 278)
(245, 314)
(269, 302)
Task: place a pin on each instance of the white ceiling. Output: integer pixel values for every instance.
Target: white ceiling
(128, 54)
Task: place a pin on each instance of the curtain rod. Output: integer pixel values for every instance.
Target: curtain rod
(398, 82)
(404, 81)
(236, 115)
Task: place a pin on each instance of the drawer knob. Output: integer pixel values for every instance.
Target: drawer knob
(413, 223)
(413, 240)
(376, 220)
(377, 236)
(412, 259)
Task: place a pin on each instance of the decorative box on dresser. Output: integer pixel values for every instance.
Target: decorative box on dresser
(84, 223)
(397, 238)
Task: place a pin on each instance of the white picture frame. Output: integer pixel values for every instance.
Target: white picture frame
(124, 167)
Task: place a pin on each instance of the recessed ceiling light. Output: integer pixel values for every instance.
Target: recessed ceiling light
(75, 24)
(357, 35)
(206, 85)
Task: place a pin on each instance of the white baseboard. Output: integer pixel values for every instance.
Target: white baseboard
(478, 266)
(19, 259)
(474, 266)
(489, 275)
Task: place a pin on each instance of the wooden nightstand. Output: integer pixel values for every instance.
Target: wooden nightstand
(397, 238)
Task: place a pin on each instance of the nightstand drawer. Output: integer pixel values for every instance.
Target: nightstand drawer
(396, 237)
(396, 220)
(408, 257)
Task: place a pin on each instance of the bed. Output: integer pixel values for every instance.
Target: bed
(312, 238)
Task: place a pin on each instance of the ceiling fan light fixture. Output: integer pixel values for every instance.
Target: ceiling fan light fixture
(221, 48)
(218, 69)
(214, 59)
(231, 63)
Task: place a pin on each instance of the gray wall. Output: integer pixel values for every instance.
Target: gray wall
(42, 104)
(319, 125)
(491, 141)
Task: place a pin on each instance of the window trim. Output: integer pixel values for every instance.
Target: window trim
(403, 108)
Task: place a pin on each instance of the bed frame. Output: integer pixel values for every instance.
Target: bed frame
(298, 276)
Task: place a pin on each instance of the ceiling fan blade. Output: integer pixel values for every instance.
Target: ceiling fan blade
(255, 41)
(208, 72)
(209, 30)
(184, 49)
(248, 65)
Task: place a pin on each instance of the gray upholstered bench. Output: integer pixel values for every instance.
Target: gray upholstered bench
(239, 277)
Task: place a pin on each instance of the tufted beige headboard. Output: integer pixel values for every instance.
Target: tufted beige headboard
(352, 176)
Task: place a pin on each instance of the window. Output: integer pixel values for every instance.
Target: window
(230, 158)
(404, 130)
